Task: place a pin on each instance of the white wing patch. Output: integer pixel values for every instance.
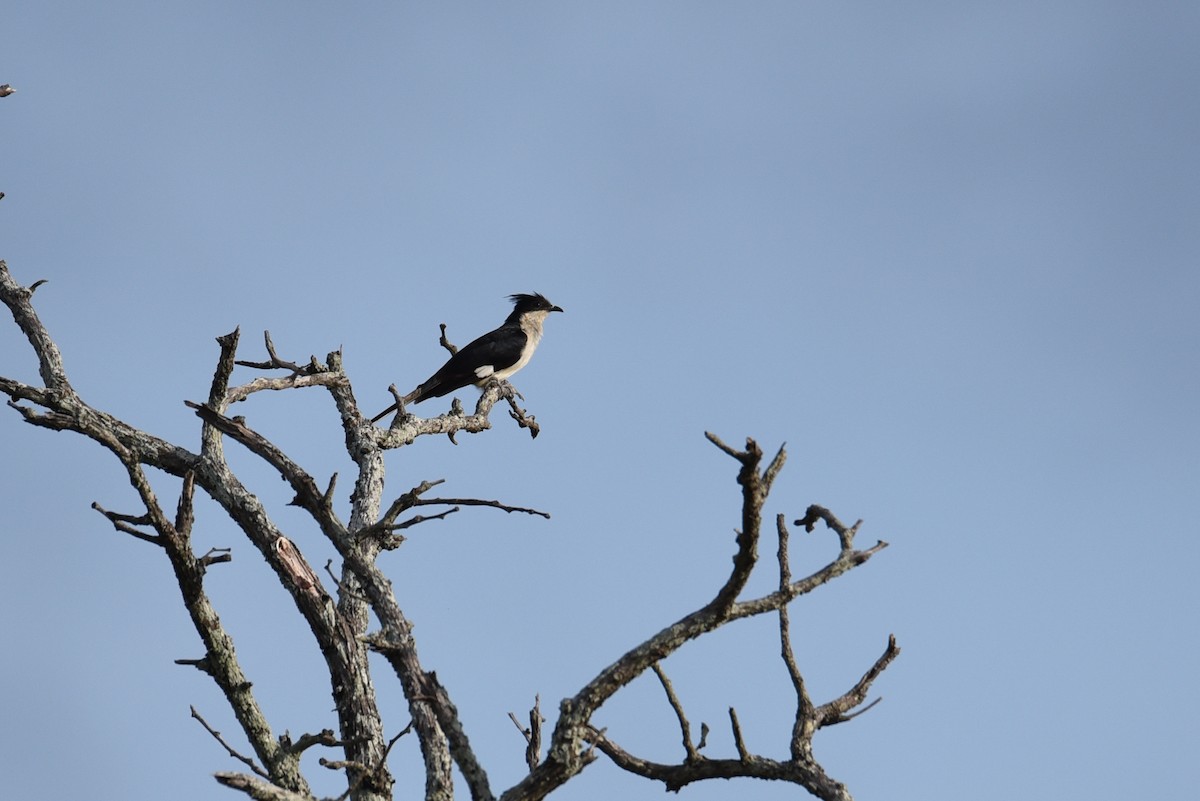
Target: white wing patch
(484, 371)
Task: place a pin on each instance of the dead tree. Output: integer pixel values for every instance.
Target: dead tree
(339, 616)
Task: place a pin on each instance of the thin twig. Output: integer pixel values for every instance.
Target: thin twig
(127, 524)
(324, 737)
(533, 734)
(412, 499)
(403, 503)
(364, 773)
(743, 752)
(803, 725)
(202, 664)
(273, 361)
(533, 753)
(185, 513)
(216, 556)
(524, 731)
(250, 763)
(258, 790)
(445, 343)
(836, 711)
(339, 584)
(673, 700)
(855, 713)
(523, 418)
(480, 502)
(715, 440)
(415, 520)
(845, 533)
(774, 467)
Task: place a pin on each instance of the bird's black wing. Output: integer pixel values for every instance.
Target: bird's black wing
(491, 352)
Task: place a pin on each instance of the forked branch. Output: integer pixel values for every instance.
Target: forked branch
(365, 596)
(575, 734)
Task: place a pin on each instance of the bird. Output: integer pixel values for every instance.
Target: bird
(494, 356)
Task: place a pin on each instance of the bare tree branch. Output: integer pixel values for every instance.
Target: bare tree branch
(743, 753)
(480, 502)
(363, 594)
(836, 710)
(533, 753)
(128, 524)
(216, 556)
(363, 773)
(405, 428)
(460, 746)
(685, 728)
(258, 789)
(676, 777)
(445, 343)
(564, 758)
(804, 725)
(524, 420)
(250, 763)
(324, 737)
(533, 734)
(574, 727)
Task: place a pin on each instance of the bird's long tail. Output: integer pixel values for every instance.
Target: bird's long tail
(415, 396)
(385, 413)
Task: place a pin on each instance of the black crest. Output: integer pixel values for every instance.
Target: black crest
(523, 303)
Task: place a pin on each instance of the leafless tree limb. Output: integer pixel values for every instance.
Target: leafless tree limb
(128, 524)
(574, 726)
(324, 737)
(533, 753)
(433, 721)
(66, 411)
(216, 556)
(418, 519)
(689, 748)
(258, 789)
(504, 507)
(460, 746)
(402, 504)
(376, 588)
(533, 734)
(835, 711)
(445, 343)
(250, 763)
(523, 419)
(676, 777)
(362, 593)
(199, 664)
(412, 499)
(743, 753)
(379, 766)
(804, 725)
(405, 428)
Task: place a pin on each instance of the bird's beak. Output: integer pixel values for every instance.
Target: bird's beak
(556, 308)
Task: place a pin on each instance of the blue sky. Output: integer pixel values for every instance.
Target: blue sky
(947, 252)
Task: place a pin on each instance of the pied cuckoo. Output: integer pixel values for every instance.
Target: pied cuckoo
(494, 356)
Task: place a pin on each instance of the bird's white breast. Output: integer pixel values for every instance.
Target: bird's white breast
(531, 324)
